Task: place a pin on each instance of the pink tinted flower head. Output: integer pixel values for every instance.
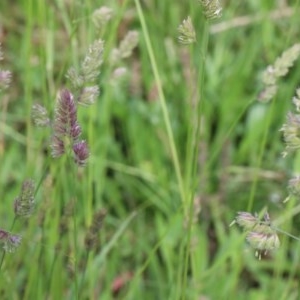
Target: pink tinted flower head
(81, 152)
(9, 241)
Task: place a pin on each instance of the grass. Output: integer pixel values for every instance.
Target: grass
(176, 150)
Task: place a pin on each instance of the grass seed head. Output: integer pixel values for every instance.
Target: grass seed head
(291, 133)
(81, 153)
(101, 16)
(25, 202)
(9, 241)
(187, 34)
(211, 9)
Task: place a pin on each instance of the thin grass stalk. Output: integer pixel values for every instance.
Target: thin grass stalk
(202, 48)
(70, 165)
(28, 77)
(75, 251)
(164, 108)
(93, 133)
(54, 169)
(192, 159)
(260, 156)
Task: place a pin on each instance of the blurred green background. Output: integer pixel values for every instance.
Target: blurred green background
(157, 241)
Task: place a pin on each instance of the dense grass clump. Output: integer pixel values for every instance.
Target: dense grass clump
(133, 134)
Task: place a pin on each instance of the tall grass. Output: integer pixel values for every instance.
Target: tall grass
(178, 146)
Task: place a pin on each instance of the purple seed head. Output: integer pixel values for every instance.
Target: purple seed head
(65, 119)
(57, 146)
(65, 126)
(9, 241)
(81, 152)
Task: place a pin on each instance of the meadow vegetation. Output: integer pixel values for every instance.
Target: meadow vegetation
(133, 134)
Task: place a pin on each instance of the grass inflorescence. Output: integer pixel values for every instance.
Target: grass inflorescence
(132, 134)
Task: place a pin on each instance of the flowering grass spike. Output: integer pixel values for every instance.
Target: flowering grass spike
(279, 69)
(296, 100)
(90, 67)
(187, 34)
(101, 16)
(66, 130)
(211, 9)
(24, 203)
(126, 47)
(293, 188)
(260, 233)
(291, 133)
(9, 241)
(40, 116)
(82, 81)
(81, 152)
